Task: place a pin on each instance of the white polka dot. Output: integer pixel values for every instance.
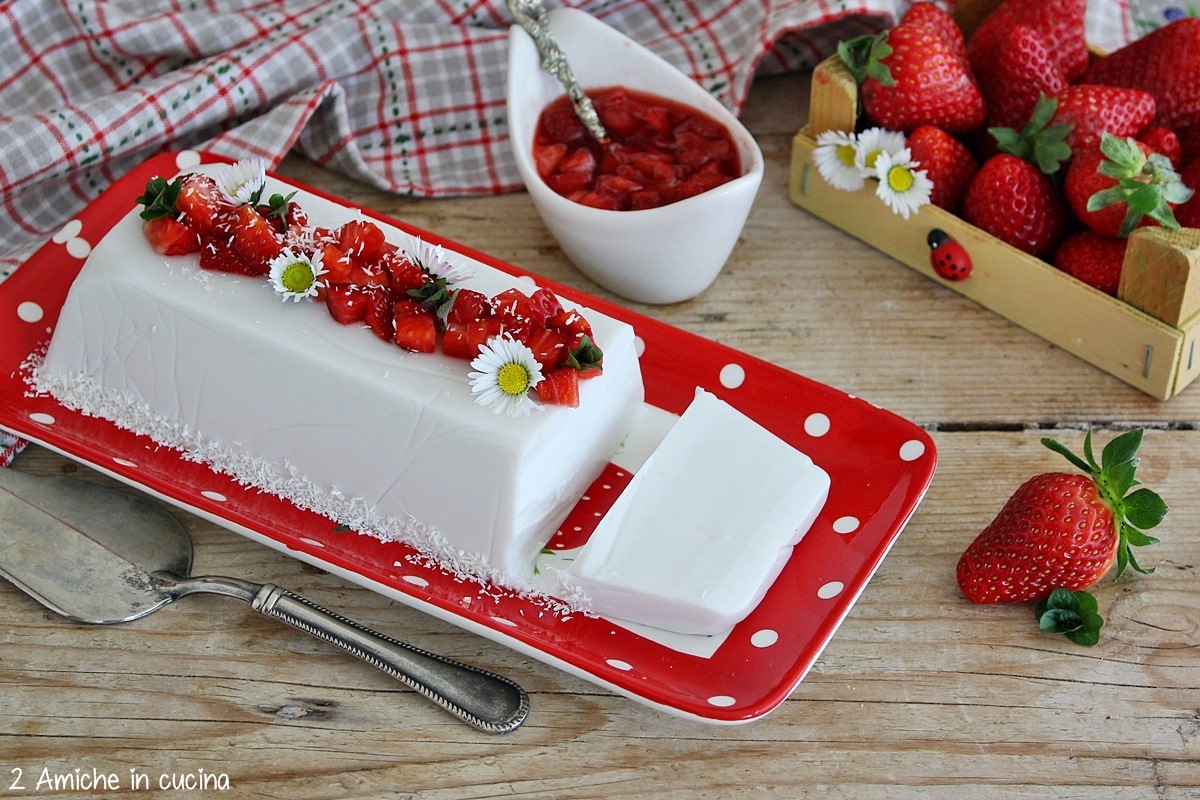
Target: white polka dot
(639, 345)
(527, 279)
(311, 542)
(764, 638)
(416, 580)
(912, 450)
(845, 524)
(503, 621)
(68, 232)
(186, 159)
(830, 590)
(29, 312)
(732, 376)
(616, 663)
(816, 424)
(79, 248)
(44, 419)
(220, 498)
(721, 701)
(124, 462)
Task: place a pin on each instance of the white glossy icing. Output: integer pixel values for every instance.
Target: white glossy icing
(705, 526)
(285, 399)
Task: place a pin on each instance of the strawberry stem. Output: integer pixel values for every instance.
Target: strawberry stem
(1134, 512)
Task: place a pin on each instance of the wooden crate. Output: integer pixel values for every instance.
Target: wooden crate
(1146, 338)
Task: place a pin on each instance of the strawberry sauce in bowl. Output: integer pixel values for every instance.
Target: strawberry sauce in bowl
(654, 215)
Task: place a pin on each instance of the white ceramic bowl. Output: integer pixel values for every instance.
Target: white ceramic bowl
(656, 255)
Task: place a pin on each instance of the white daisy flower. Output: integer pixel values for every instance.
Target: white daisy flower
(505, 373)
(901, 185)
(835, 156)
(243, 181)
(872, 143)
(436, 261)
(296, 275)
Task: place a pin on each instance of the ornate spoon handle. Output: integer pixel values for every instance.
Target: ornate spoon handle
(480, 698)
(531, 15)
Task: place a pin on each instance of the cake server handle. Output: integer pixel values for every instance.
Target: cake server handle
(487, 701)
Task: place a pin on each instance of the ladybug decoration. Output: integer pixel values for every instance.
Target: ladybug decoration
(948, 257)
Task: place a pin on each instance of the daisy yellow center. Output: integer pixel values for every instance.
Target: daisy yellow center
(872, 157)
(900, 179)
(297, 277)
(513, 379)
(845, 154)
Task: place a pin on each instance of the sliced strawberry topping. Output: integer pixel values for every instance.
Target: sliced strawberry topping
(415, 329)
(405, 274)
(170, 237)
(464, 339)
(219, 255)
(347, 303)
(549, 347)
(255, 239)
(572, 323)
(202, 205)
(362, 240)
(560, 387)
(469, 306)
(379, 312)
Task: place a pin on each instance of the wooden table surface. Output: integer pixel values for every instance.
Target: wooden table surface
(919, 695)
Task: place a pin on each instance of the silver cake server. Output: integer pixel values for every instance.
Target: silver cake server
(101, 555)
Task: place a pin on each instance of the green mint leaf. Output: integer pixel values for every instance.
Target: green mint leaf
(1085, 637)
(1074, 614)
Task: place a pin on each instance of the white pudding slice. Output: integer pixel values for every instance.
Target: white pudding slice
(283, 398)
(705, 526)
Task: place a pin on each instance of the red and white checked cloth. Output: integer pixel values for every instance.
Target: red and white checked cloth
(407, 95)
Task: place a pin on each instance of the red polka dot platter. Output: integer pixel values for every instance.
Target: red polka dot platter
(879, 465)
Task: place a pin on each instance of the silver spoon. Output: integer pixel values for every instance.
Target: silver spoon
(532, 16)
(100, 555)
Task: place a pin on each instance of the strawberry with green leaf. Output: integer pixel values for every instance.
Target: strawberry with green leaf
(910, 76)
(1064, 530)
(166, 233)
(1123, 184)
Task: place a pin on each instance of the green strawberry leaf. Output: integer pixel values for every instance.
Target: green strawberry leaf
(1144, 508)
(1062, 450)
(1123, 448)
(279, 207)
(1072, 614)
(863, 56)
(1140, 538)
(1038, 141)
(586, 356)
(1120, 477)
(1088, 453)
(1106, 197)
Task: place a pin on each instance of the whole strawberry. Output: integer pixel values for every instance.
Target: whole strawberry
(1165, 63)
(1093, 111)
(1016, 202)
(1122, 185)
(931, 16)
(1060, 23)
(1020, 70)
(1064, 530)
(947, 162)
(910, 76)
(1094, 259)
(1188, 214)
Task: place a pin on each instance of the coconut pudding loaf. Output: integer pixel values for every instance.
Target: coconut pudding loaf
(464, 414)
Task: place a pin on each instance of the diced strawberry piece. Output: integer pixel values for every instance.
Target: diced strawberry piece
(170, 237)
(580, 159)
(220, 256)
(560, 387)
(415, 330)
(255, 239)
(656, 118)
(362, 240)
(600, 199)
(544, 304)
(515, 311)
(202, 205)
(566, 183)
(571, 323)
(405, 274)
(337, 264)
(558, 123)
(347, 303)
(369, 273)
(547, 156)
(469, 306)
(549, 347)
(464, 339)
(379, 312)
